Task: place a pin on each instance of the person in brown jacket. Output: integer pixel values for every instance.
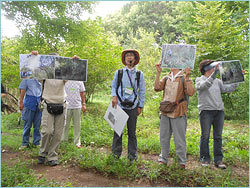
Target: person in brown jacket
(175, 86)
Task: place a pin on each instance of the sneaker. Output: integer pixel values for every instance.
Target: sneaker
(41, 160)
(205, 164)
(78, 146)
(23, 147)
(162, 161)
(220, 165)
(53, 163)
(183, 166)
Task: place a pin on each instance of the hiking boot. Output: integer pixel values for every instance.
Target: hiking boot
(220, 165)
(162, 161)
(41, 160)
(205, 164)
(53, 163)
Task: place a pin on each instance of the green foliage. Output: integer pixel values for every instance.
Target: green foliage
(158, 17)
(47, 23)
(101, 50)
(21, 176)
(218, 29)
(220, 34)
(213, 34)
(10, 49)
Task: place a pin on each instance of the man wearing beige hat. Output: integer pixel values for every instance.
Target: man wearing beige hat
(128, 91)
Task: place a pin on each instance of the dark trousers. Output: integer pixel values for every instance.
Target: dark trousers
(208, 118)
(132, 141)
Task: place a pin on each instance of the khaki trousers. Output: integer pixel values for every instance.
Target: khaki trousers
(178, 127)
(75, 115)
(51, 132)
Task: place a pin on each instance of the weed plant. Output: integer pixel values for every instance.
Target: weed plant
(21, 176)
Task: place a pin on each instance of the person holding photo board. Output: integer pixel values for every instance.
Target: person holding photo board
(176, 87)
(53, 117)
(127, 85)
(211, 111)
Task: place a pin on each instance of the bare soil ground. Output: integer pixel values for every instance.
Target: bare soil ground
(78, 177)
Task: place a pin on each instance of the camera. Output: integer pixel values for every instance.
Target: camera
(127, 103)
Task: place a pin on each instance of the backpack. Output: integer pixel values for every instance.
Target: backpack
(186, 97)
(119, 82)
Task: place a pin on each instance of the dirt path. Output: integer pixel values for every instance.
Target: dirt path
(77, 176)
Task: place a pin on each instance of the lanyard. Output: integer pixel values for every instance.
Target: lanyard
(172, 78)
(131, 82)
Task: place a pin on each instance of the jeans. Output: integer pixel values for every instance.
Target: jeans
(208, 118)
(132, 141)
(30, 117)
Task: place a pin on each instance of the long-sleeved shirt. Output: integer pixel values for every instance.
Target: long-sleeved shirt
(179, 93)
(209, 93)
(140, 91)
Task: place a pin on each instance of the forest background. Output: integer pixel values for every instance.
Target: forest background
(220, 31)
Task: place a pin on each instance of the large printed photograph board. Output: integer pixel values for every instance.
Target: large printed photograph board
(231, 72)
(52, 67)
(178, 56)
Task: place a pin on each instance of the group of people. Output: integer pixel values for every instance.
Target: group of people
(128, 91)
(45, 105)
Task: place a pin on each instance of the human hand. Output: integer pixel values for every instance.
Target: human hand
(187, 71)
(21, 106)
(83, 108)
(139, 110)
(114, 102)
(34, 52)
(216, 71)
(158, 67)
(75, 57)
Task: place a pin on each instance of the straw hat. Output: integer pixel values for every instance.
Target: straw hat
(137, 56)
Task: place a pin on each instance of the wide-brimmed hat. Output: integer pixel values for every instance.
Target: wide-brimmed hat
(203, 64)
(137, 56)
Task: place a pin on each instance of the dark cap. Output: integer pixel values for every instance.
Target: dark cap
(203, 64)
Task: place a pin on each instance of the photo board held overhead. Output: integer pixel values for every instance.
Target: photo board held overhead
(178, 56)
(231, 71)
(52, 67)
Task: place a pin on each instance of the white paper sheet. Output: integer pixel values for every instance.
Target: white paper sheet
(117, 118)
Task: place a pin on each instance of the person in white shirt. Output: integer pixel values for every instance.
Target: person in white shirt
(75, 100)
